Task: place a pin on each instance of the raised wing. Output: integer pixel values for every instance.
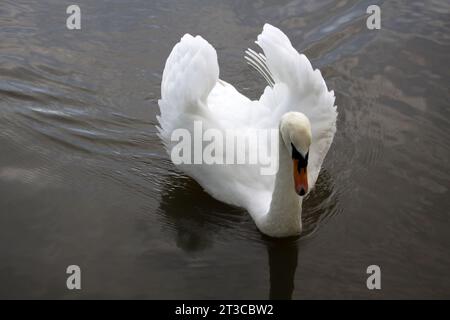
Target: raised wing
(190, 73)
(295, 86)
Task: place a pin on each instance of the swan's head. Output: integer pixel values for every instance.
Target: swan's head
(296, 134)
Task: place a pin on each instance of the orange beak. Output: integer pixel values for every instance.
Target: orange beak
(300, 179)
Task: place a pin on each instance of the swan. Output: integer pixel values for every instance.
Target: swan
(295, 102)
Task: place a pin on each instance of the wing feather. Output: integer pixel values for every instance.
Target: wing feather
(298, 87)
(190, 73)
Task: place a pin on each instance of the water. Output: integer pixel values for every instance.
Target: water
(84, 179)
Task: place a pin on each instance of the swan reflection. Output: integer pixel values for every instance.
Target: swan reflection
(282, 264)
(196, 218)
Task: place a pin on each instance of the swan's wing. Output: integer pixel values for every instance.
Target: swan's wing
(295, 86)
(190, 73)
(191, 91)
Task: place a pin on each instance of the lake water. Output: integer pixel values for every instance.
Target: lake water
(84, 179)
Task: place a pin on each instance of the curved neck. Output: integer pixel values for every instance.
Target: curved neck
(284, 215)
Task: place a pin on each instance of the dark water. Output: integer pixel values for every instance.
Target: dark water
(84, 179)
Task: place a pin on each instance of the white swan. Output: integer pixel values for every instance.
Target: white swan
(296, 101)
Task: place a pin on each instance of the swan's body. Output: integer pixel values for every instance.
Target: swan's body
(296, 101)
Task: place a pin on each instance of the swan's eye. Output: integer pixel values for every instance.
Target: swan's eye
(302, 161)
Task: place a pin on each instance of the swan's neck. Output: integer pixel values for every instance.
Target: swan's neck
(284, 215)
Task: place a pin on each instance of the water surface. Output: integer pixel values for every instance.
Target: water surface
(84, 179)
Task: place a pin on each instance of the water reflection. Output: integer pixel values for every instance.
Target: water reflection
(196, 219)
(194, 215)
(283, 255)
